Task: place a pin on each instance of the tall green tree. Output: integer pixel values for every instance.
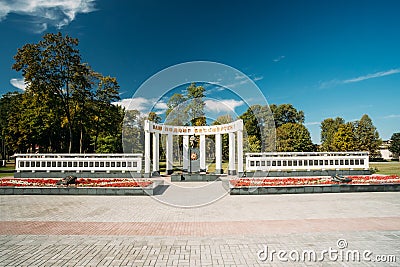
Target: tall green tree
(286, 113)
(105, 118)
(345, 138)
(395, 144)
(367, 136)
(8, 105)
(224, 119)
(177, 112)
(195, 107)
(53, 67)
(293, 137)
(260, 132)
(133, 132)
(328, 129)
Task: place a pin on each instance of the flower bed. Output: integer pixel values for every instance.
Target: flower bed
(80, 182)
(265, 182)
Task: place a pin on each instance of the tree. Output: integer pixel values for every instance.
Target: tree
(259, 126)
(154, 117)
(105, 118)
(176, 113)
(9, 104)
(345, 138)
(133, 132)
(395, 144)
(293, 137)
(67, 106)
(253, 143)
(53, 67)
(367, 137)
(195, 107)
(328, 129)
(224, 119)
(286, 113)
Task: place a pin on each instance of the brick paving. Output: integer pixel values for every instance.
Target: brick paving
(140, 231)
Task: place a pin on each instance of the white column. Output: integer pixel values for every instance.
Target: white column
(240, 151)
(156, 154)
(185, 152)
(218, 154)
(169, 154)
(232, 169)
(202, 152)
(147, 159)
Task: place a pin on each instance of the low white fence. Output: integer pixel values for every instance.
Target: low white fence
(300, 161)
(78, 162)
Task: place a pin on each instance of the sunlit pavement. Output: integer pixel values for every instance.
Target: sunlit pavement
(232, 231)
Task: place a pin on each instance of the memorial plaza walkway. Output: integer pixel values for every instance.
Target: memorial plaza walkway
(307, 229)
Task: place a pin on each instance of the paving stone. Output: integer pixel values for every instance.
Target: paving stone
(139, 231)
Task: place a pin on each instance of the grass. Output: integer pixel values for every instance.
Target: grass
(387, 168)
(7, 170)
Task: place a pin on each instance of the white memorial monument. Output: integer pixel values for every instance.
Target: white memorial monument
(233, 129)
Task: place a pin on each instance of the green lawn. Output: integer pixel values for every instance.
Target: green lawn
(8, 170)
(386, 167)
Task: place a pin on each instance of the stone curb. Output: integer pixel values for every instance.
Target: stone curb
(310, 189)
(103, 191)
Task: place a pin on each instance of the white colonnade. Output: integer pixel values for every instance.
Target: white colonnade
(233, 129)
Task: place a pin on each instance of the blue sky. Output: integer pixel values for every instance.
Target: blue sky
(327, 58)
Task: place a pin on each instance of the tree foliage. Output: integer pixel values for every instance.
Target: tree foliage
(328, 129)
(286, 113)
(67, 107)
(177, 110)
(224, 119)
(395, 144)
(293, 137)
(260, 132)
(195, 107)
(345, 138)
(367, 136)
(361, 135)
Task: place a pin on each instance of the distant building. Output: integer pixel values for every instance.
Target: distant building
(384, 150)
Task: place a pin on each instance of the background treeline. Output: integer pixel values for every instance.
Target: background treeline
(68, 107)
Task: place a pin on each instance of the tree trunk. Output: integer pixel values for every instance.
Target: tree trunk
(81, 141)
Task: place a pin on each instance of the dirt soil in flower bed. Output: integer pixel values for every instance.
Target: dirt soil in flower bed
(297, 181)
(80, 182)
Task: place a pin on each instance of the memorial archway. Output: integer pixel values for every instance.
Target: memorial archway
(233, 129)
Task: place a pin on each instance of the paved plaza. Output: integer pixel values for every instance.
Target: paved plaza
(232, 231)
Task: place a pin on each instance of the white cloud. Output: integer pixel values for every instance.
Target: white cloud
(258, 78)
(142, 104)
(243, 79)
(56, 13)
(18, 83)
(335, 82)
(392, 116)
(312, 123)
(161, 105)
(227, 105)
(373, 75)
(278, 59)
